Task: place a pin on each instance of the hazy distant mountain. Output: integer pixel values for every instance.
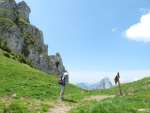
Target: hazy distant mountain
(103, 84)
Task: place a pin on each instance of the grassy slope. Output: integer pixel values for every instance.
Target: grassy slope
(136, 97)
(22, 87)
(26, 90)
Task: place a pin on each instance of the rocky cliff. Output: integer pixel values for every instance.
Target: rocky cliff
(18, 36)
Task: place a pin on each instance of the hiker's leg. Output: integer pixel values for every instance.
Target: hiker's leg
(62, 92)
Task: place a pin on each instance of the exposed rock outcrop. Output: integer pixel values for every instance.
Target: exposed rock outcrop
(18, 36)
(23, 10)
(7, 8)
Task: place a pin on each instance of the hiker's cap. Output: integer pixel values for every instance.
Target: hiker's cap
(65, 73)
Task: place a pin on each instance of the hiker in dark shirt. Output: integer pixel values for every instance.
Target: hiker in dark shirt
(63, 79)
(117, 81)
(117, 78)
(62, 82)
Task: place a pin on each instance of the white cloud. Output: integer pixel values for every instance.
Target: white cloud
(141, 30)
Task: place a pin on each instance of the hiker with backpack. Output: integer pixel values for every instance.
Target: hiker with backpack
(63, 78)
(62, 83)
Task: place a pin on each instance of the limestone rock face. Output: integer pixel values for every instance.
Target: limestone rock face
(10, 36)
(54, 59)
(7, 8)
(20, 37)
(9, 4)
(23, 10)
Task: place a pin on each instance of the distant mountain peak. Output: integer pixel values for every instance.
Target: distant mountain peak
(104, 83)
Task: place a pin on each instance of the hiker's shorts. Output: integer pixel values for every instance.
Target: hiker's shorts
(62, 88)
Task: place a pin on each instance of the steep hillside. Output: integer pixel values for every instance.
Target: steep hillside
(27, 90)
(19, 36)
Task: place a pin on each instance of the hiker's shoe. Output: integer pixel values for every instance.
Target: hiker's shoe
(62, 98)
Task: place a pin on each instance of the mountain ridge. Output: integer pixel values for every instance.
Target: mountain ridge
(104, 83)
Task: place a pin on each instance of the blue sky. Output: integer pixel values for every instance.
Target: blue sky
(96, 37)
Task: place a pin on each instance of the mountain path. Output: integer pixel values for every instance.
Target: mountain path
(99, 98)
(61, 107)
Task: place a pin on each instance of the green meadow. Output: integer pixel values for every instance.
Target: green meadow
(27, 90)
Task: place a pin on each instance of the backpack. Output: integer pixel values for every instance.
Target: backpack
(61, 82)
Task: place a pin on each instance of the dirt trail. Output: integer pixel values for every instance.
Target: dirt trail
(144, 110)
(61, 107)
(99, 98)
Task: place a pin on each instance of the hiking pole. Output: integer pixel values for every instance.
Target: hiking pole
(119, 85)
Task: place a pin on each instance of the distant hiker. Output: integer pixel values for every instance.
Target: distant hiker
(117, 81)
(117, 77)
(62, 82)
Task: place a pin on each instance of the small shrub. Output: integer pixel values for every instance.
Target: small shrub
(40, 50)
(3, 45)
(13, 57)
(45, 108)
(25, 51)
(22, 20)
(7, 54)
(22, 59)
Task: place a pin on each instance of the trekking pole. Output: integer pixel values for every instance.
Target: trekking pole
(119, 85)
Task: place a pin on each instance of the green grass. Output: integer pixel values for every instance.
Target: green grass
(136, 97)
(29, 87)
(25, 81)
(27, 90)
